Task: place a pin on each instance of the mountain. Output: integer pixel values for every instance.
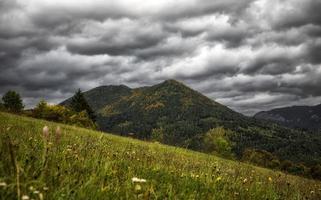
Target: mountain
(98, 97)
(174, 114)
(86, 164)
(303, 117)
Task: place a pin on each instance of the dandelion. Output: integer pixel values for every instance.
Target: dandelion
(25, 197)
(3, 184)
(138, 180)
(45, 132)
(58, 134)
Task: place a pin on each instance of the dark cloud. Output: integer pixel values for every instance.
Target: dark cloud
(250, 55)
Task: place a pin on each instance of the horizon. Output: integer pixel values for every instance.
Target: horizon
(237, 53)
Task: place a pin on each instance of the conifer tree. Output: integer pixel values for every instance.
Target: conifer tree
(79, 104)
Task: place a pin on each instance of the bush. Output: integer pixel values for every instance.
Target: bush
(261, 158)
(62, 114)
(157, 135)
(12, 102)
(316, 172)
(2, 108)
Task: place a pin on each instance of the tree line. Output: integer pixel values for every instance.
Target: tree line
(77, 113)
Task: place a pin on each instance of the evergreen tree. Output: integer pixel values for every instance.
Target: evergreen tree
(79, 104)
(12, 102)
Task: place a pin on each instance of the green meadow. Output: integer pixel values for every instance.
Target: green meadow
(76, 163)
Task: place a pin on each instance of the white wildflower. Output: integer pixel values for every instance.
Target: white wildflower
(25, 197)
(3, 184)
(138, 180)
(45, 132)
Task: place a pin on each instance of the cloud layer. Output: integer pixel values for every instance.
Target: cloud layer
(251, 55)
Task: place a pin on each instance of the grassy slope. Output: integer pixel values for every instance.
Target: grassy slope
(92, 165)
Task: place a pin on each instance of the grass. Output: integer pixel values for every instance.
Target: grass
(87, 164)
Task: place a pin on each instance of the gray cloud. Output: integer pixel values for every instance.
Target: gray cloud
(236, 52)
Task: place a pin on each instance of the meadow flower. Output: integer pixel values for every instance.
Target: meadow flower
(36, 192)
(40, 196)
(3, 184)
(45, 132)
(218, 179)
(270, 179)
(245, 181)
(31, 188)
(58, 134)
(138, 187)
(138, 180)
(25, 197)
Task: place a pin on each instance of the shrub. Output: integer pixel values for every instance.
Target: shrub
(261, 158)
(62, 114)
(316, 172)
(157, 135)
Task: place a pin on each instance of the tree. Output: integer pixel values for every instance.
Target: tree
(40, 109)
(12, 102)
(216, 141)
(79, 104)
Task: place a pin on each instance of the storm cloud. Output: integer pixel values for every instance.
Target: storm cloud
(250, 55)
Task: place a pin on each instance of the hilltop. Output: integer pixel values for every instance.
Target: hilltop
(84, 164)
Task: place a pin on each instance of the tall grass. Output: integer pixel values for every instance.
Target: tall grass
(84, 164)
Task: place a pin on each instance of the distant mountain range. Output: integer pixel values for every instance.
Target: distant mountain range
(181, 116)
(303, 117)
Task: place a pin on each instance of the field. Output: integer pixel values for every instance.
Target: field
(85, 164)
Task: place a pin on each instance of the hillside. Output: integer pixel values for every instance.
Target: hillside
(84, 164)
(174, 114)
(303, 117)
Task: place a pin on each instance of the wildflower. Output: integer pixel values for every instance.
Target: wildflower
(3, 184)
(31, 188)
(40, 196)
(58, 134)
(245, 181)
(25, 197)
(45, 132)
(138, 180)
(218, 179)
(270, 179)
(36, 192)
(138, 188)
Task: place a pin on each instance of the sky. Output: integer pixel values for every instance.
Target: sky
(250, 55)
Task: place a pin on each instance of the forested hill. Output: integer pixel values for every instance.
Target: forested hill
(175, 114)
(303, 117)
